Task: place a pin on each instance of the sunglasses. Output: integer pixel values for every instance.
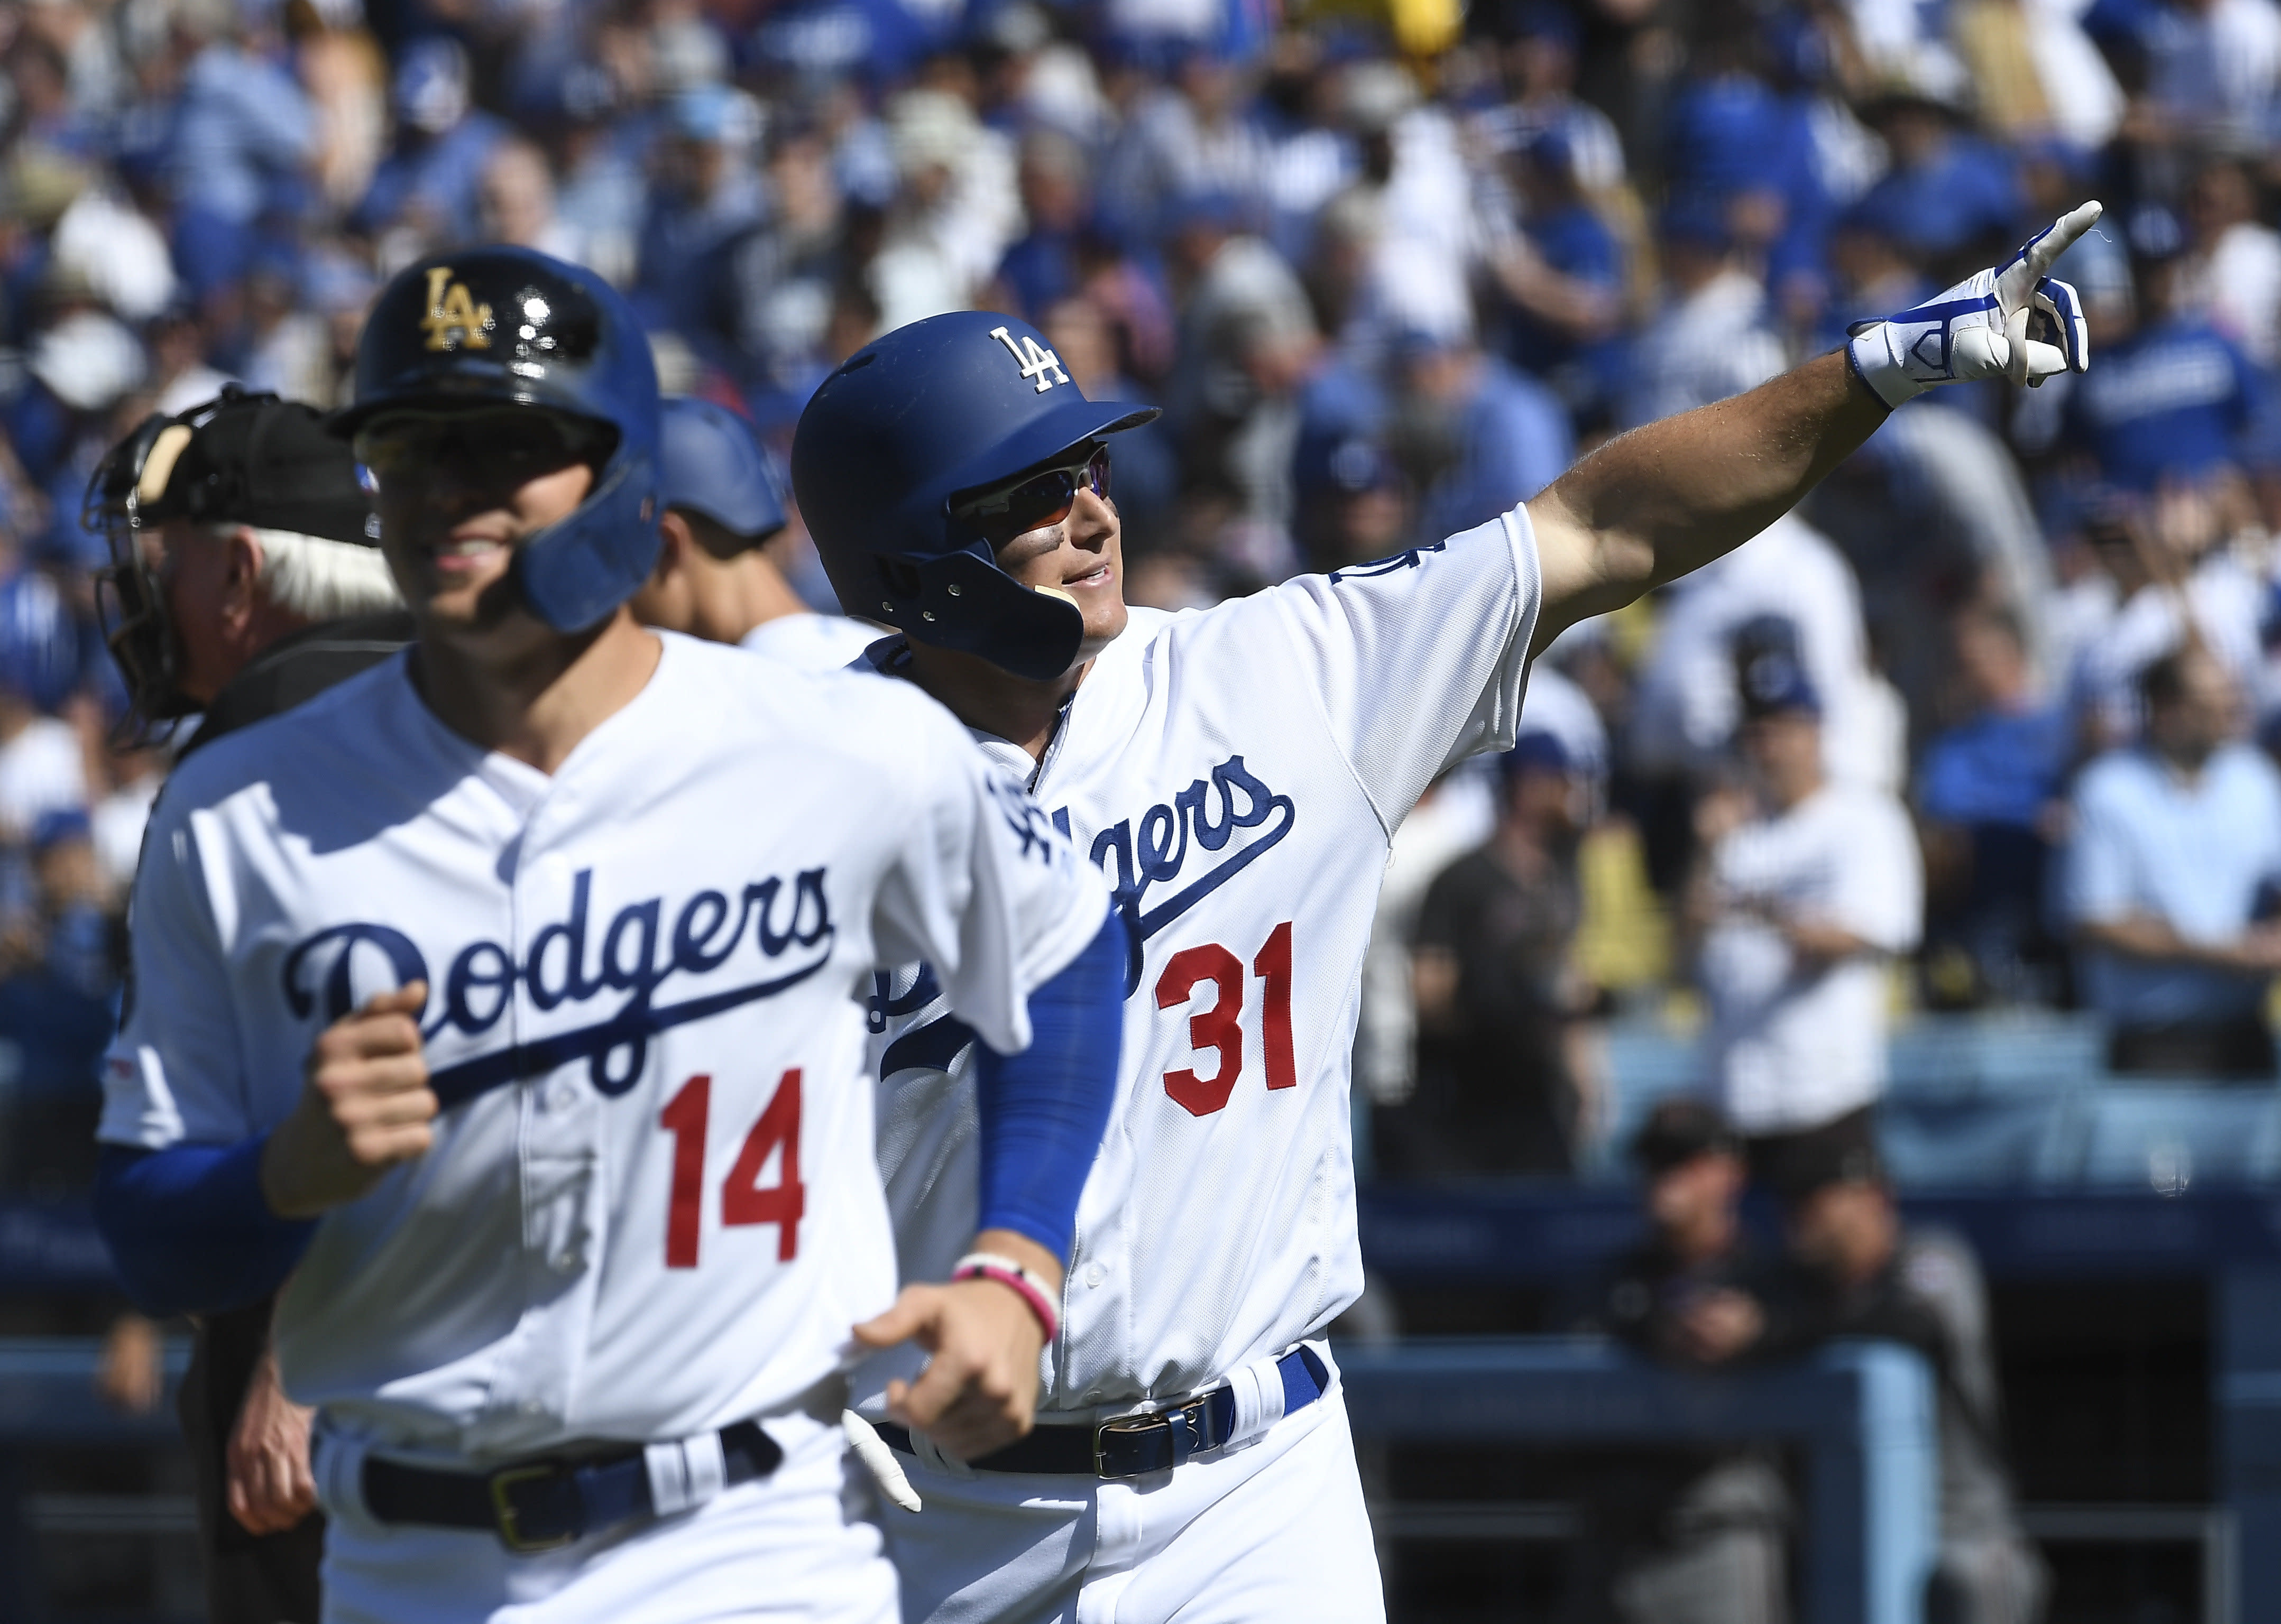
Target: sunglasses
(508, 446)
(1038, 500)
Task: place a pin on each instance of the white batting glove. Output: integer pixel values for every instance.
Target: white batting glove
(1980, 327)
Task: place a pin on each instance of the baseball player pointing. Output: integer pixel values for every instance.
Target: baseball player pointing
(1236, 774)
(504, 997)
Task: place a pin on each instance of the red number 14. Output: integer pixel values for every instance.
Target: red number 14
(743, 1199)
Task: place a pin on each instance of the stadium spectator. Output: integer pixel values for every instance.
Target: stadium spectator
(2171, 584)
(2230, 275)
(2212, 69)
(1247, 339)
(2174, 882)
(429, 189)
(1989, 798)
(43, 768)
(58, 1008)
(1949, 196)
(1567, 283)
(2172, 397)
(243, 141)
(1711, 338)
(1687, 704)
(1538, 64)
(1505, 1076)
(1862, 1274)
(1474, 434)
(1807, 890)
(704, 195)
(1693, 1536)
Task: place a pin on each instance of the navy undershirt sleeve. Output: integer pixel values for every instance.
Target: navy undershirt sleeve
(1044, 1111)
(188, 1229)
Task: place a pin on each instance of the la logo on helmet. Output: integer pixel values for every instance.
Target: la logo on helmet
(452, 310)
(1033, 358)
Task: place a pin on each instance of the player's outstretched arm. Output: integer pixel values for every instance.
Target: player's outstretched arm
(1652, 505)
(1043, 1113)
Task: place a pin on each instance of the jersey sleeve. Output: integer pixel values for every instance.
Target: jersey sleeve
(984, 889)
(175, 1072)
(1418, 660)
(1880, 891)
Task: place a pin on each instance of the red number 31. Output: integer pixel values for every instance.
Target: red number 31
(1219, 1028)
(743, 1200)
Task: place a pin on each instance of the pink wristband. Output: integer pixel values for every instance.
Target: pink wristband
(1009, 1274)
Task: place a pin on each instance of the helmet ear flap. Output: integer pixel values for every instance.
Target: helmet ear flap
(901, 579)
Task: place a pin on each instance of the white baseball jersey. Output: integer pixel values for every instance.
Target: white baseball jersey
(812, 642)
(651, 1208)
(1237, 773)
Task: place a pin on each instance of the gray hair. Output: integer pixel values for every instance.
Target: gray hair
(319, 579)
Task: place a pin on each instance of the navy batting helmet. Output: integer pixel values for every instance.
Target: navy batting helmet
(892, 454)
(493, 327)
(709, 463)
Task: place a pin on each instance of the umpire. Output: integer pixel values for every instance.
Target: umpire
(245, 577)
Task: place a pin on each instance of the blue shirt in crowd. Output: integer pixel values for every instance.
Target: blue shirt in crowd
(2000, 767)
(1515, 441)
(2191, 853)
(1966, 191)
(241, 126)
(442, 176)
(1576, 242)
(2175, 398)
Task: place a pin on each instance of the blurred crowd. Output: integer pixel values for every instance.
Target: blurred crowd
(1980, 726)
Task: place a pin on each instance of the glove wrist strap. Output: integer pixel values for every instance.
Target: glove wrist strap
(1876, 358)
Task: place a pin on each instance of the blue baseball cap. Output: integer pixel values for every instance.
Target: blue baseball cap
(1775, 684)
(709, 463)
(1537, 751)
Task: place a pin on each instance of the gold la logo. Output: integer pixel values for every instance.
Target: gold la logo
(453, 314)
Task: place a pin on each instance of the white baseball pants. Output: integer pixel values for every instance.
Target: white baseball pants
(1264, 1534)
(797, 1547)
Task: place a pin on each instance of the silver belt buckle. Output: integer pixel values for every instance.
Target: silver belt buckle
(1124, 1425)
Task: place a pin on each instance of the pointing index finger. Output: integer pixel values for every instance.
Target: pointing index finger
(2063, 234)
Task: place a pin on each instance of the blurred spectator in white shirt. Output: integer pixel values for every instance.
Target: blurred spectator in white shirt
(1809, 889)
(2167, 574)
(2213, 65)
(1687, 706)
(42, 767)
(2174, 882)
(1710, 339)
(116, 822)
(2231, 273)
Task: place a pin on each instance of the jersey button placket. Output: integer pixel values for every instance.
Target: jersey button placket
(560, 1123)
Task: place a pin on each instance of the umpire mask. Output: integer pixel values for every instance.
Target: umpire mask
(238, 458)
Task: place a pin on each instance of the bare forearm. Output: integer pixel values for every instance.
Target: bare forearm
(1654, 504)
(2143, 936)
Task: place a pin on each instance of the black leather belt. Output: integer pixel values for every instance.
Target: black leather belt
(1132, 1446)
(543, 1504)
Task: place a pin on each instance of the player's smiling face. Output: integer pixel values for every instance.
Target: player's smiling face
(458, 493)
(1082, 555)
